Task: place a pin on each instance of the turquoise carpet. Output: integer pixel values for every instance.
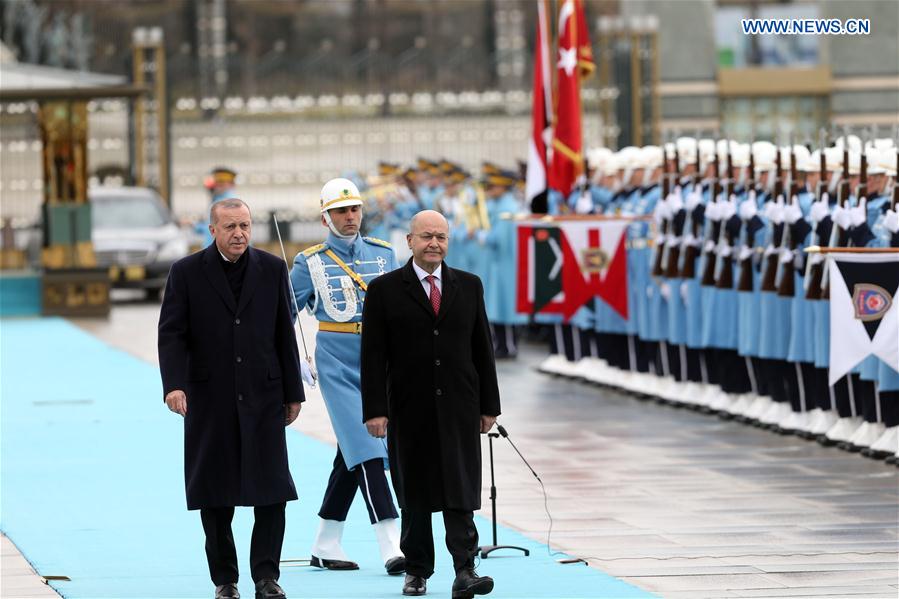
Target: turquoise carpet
(92, 489)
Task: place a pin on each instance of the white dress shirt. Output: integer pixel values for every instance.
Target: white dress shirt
(422, 275)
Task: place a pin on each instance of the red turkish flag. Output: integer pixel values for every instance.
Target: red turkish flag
(574, 60)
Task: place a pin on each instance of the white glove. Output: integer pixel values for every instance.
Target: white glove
(820, 209)
(841, 217)
(749, 207)
(745, 253)
(584, 204)
(694, 198)
(786, 255)
(689, 241)
(685, 293)
(307, 371)
(661, 212)
(723, 250)
(859, 214)
(713, 211)
(665, 290)
(709, 246)
(774, 211)
(729, 208)
(891, 221)
(792, 212)
(675, 201)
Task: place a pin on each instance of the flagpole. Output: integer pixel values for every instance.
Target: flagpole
(815, 249)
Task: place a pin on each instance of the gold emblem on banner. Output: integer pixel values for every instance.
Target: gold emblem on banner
(594, 260)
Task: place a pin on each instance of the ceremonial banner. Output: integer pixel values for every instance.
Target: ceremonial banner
(562, 264)
(541, 120)
(864, 312)
(575, 60)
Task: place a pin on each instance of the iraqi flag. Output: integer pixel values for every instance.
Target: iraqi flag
(541, 119)
(864, 312)
(563, 264)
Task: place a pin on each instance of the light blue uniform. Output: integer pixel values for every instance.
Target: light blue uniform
(501, 247)
(328, 293)
(802, 313)
(749, 302)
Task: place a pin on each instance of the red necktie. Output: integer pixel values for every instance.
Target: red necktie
(435, 293)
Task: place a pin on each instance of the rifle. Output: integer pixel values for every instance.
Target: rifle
(814, 267)
(691, 253)
(769, 274)
(672, 260)
(661, 247)
(862, 189)
(725, 278)
(786, 286)
(746, 279)
(714, 232)
(839, 237)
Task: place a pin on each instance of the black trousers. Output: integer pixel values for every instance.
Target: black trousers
(265, 545)
(505, 340)
(417, 541)
(367, 477)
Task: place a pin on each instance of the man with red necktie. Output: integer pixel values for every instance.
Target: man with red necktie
(429, 385)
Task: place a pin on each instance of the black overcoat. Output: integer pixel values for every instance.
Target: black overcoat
(432, 377)
(238, 364)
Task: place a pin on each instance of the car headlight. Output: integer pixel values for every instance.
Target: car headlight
(172, 249)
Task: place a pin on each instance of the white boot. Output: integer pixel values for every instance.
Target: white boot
(825, 421)
(758, 407)
(844, 429)
(888, 441)
(327, 542)
(869, 436)
(388, 535)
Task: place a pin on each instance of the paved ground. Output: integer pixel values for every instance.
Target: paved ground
(677, 503)
(19, 578)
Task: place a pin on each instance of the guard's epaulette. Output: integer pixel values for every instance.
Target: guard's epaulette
(376, 241)
(310, 251)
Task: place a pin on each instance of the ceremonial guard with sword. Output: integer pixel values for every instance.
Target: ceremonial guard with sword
(330, 280)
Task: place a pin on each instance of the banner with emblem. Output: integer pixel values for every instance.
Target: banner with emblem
(566, 262)
(864, 312)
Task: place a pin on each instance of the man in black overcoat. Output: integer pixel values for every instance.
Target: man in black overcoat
(230, 366)
(429, 384)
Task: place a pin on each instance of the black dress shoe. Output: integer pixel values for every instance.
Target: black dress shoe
(269, 589)
(333, 564)
(395, 565)
(227, 591)
(414, 585)
(468, 584)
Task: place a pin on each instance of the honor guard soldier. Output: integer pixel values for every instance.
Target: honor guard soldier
(330, 280)
(221, 184)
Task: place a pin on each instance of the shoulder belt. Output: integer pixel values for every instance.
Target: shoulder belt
(376, 241)
(311, 251)
(330, 254)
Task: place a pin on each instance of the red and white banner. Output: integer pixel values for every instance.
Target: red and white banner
(541, 120)
(575, 60)
(563, 264)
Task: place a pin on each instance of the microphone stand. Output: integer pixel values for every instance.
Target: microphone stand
(486, 550)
